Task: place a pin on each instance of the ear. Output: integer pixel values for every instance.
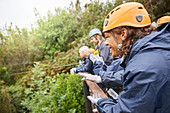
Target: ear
(124, 34)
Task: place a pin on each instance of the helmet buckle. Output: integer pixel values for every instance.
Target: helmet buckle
(139, 18)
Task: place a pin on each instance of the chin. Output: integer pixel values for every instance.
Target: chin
(114, 55)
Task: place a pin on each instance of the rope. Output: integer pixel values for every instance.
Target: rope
(39, 61)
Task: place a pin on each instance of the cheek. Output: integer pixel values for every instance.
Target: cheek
(113, 46)
(80, 54)
(111, 42)
(92, 40)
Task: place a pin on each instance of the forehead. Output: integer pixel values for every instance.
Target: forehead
(81, 51)
(93, 37)
(107, 34)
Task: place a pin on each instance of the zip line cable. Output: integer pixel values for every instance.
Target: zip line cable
(39, 61)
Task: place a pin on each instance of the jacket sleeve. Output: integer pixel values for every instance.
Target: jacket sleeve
(142, 82)
(112, 78)
(134, 99)
(87, 67)
(97, 67)
(115, 65)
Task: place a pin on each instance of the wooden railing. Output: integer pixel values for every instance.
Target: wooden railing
(94, 88)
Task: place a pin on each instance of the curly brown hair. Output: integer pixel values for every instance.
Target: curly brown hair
(132, 36)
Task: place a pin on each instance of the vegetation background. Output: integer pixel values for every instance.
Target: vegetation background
(34, 65)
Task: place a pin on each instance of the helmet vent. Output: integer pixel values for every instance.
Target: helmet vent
(139, 18)
(117, 9)
(107, 17)
(106, 22)
(140, 8)
(112, 11)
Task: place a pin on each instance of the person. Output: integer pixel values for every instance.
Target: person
(109, 76)
(161, 22)
(101, 49)
(145, 58)
(87, 66)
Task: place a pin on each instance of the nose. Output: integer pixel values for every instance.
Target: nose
(106, 43)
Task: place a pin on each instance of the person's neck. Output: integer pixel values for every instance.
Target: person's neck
(86, 57)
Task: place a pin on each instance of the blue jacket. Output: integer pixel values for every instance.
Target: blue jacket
(87, 66)
(111, 78)
(146, 80)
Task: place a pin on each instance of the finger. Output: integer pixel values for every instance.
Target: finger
(89, 97)
(99, 95)
(93, 95)
(83, 78)
(82, 74)
(96, 95)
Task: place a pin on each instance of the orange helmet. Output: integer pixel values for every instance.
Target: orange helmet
(92, 51)
(163, 20)
(128, 14)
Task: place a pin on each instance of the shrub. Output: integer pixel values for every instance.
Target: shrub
(54, 93)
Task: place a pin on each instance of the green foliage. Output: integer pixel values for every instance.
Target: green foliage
(3, 75)
(18, 50)
(59, 93)
(3, 71)
(43, 91)
(56, 32)
(16, 93)
(5, 100)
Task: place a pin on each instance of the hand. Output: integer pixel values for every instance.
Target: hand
(95, 58)
(73, 71)
(91, 77)
(94, 98)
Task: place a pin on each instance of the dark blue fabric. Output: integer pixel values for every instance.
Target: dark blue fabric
(98, 66)
(87, 66)
(111, 78)
(146, 80)
(110, 75)
(114, 66)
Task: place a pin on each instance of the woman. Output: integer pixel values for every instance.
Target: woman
(146, 61)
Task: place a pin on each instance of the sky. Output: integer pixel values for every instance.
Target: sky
(21, 12)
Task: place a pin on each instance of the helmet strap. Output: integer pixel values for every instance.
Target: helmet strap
(118, 45)
(97, 39)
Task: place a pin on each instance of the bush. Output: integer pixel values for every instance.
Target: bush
(60, 93)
